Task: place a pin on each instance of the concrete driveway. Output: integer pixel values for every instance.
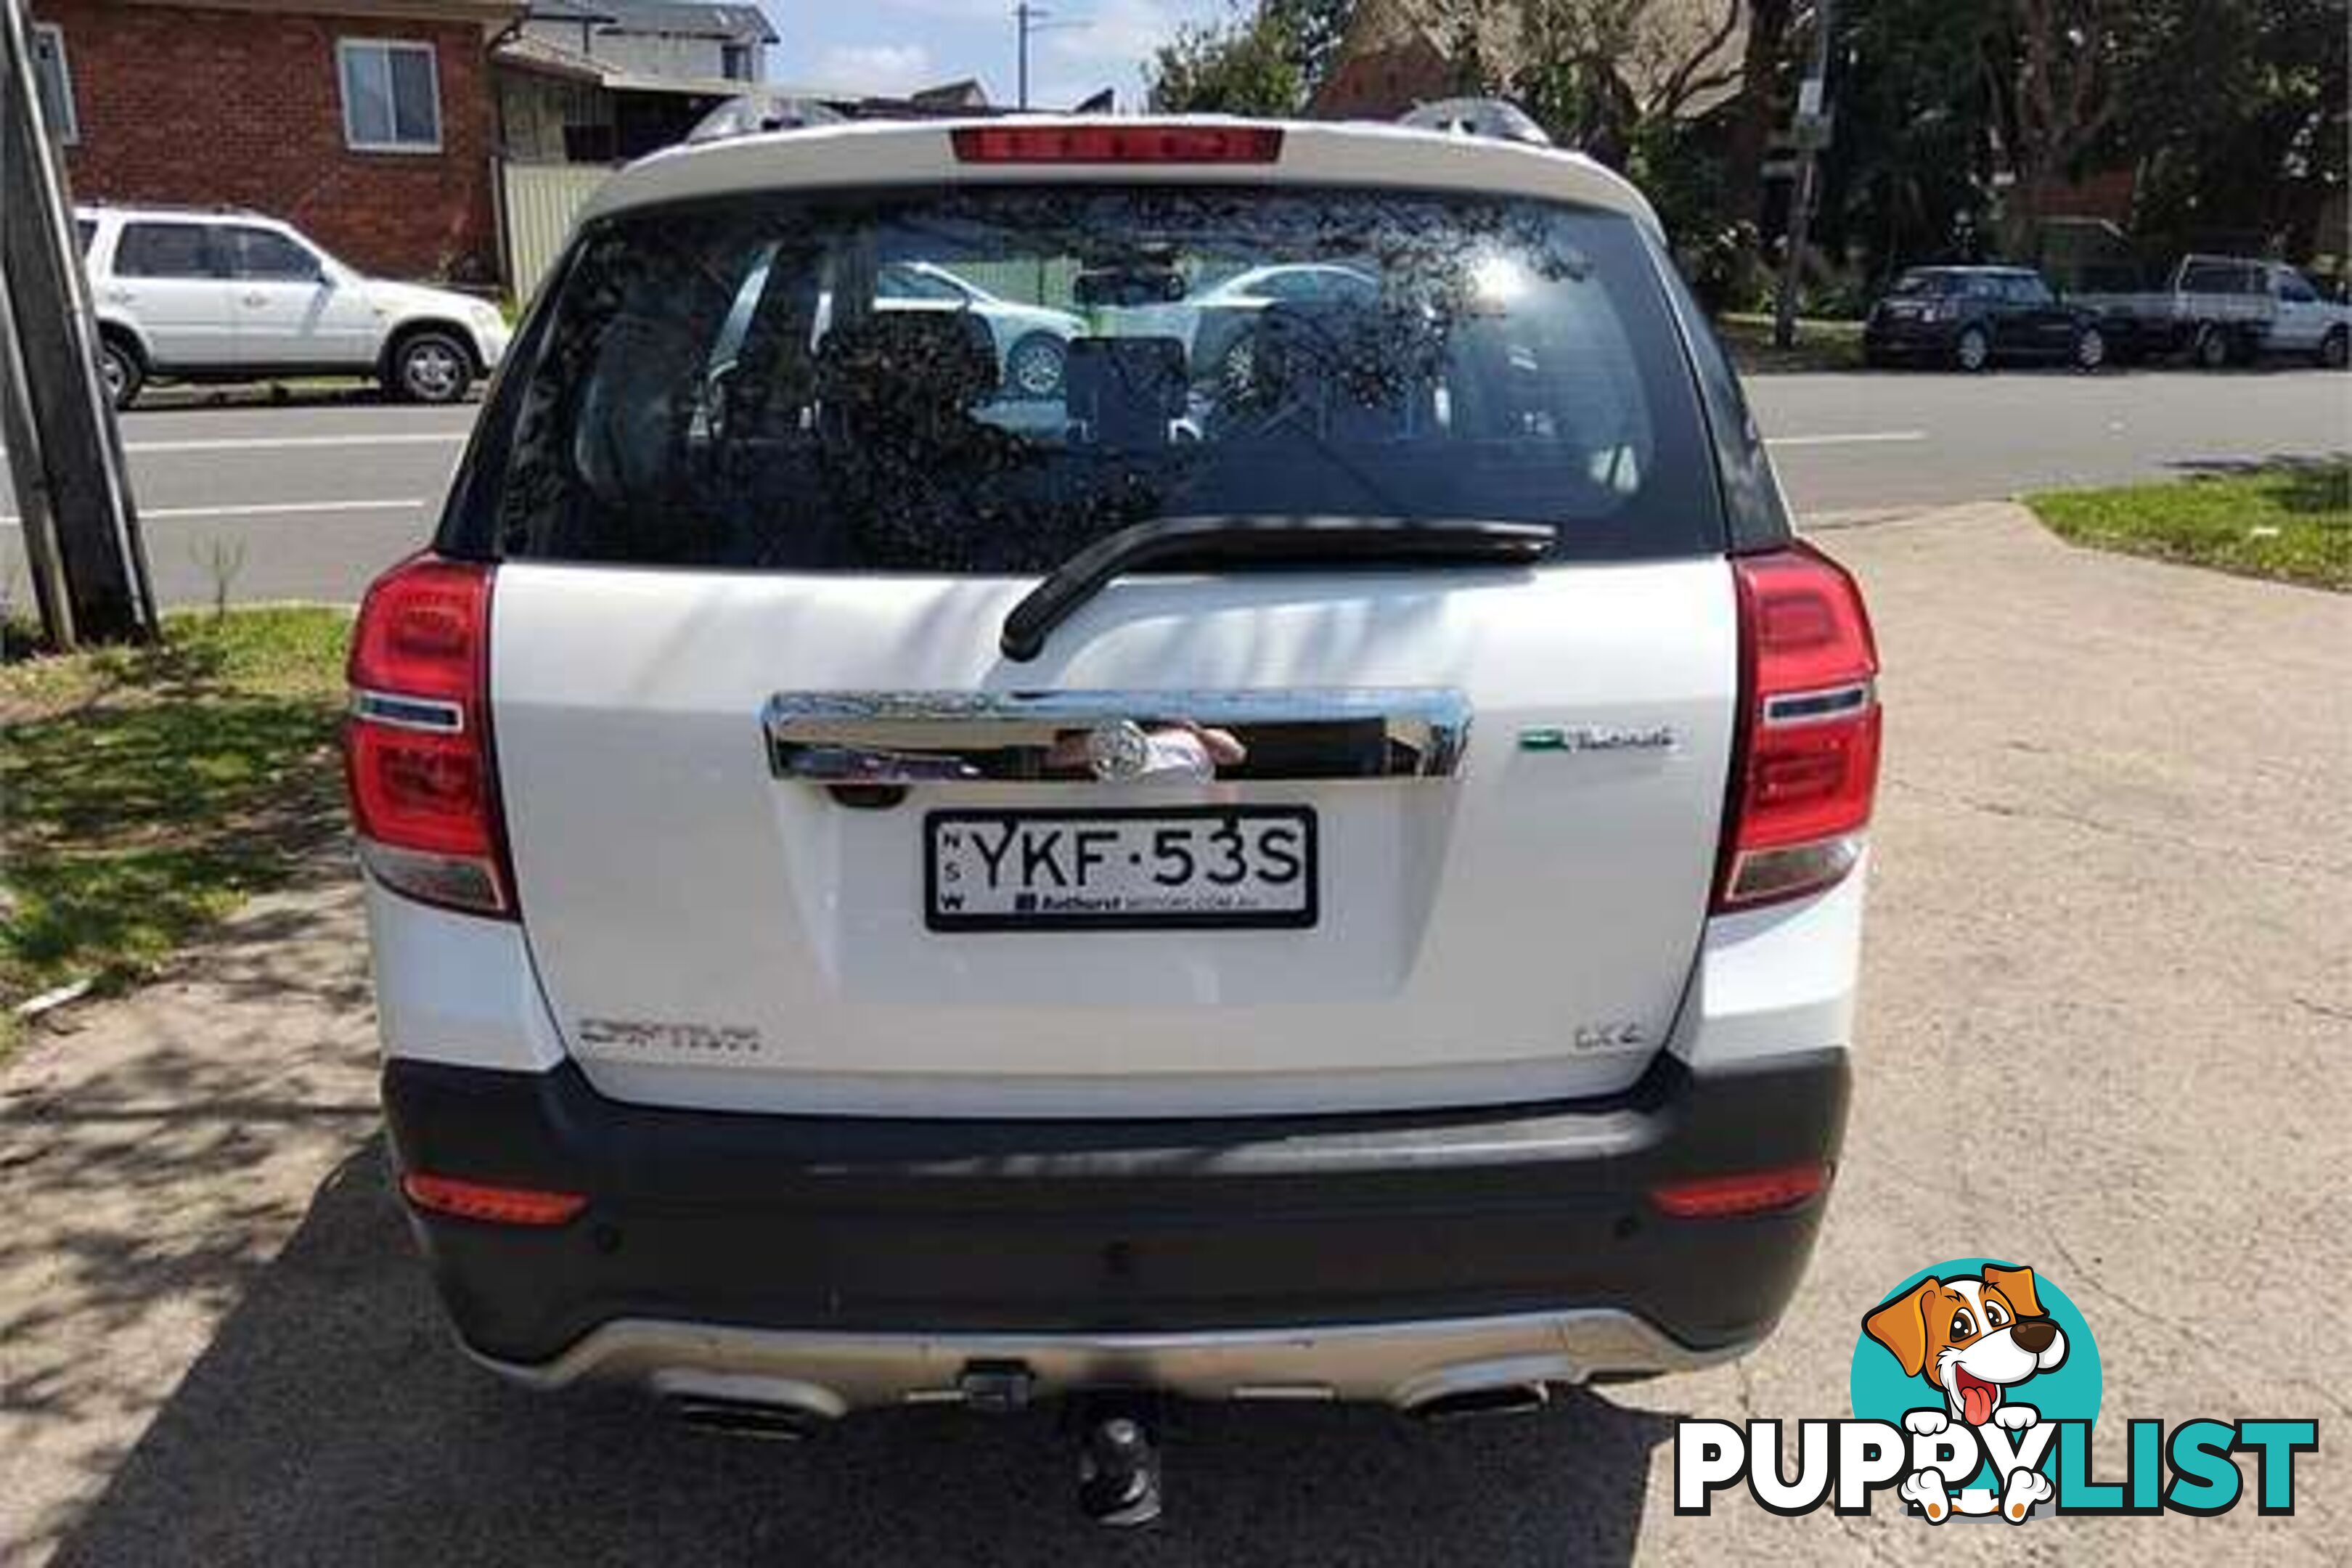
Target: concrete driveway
(2107, 1032)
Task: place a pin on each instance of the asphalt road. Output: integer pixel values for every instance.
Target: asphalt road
(2106, 1031)
(311, 502)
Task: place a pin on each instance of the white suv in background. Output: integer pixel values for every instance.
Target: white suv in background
(186, 295)
(1340, 880)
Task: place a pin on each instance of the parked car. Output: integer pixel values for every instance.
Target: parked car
(1029, 339)
(211, 296)
(879, 894)
(2222, 311)
(1215, 326)
(1976, 317)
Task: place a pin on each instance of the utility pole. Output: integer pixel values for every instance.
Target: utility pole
(1028, 20)
(65, 451)
(1024, 17)
(1811, 131)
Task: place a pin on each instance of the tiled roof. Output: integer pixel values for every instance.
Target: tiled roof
(745, 23)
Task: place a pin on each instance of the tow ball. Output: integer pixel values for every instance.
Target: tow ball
(1118, 1460)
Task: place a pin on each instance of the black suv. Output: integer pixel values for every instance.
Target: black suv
(1972, 317)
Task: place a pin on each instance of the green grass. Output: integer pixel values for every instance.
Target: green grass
(2289, 521)
(149, 791)
(1819, 345)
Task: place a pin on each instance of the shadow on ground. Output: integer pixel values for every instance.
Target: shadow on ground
(330, 1420)
(2295, 481)
(323, 393)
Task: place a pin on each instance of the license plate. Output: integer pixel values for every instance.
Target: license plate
(1181, 867)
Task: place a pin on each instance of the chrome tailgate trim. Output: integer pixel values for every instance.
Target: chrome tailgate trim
(1054, 737)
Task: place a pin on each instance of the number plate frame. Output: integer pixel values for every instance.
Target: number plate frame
(1305, 916)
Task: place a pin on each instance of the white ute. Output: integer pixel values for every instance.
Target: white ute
(1333, 874)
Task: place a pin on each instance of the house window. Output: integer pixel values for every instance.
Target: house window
(391, 95)
(53, 81)
(735, 61)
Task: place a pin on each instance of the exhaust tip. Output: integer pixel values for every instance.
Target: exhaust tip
(747, 1419)
(1495, 1399)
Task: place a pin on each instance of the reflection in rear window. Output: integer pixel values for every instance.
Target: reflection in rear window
(984, 381)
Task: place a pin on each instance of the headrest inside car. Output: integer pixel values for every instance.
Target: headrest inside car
(1124, 391)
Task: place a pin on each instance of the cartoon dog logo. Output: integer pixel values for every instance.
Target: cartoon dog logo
(1972, 1338)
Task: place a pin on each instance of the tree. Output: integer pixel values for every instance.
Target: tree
(1313, 32)
(2231, 115)
(2056, 84)
(1908, 178)
(1244, 66)
(1604, 74)
(1760, 110)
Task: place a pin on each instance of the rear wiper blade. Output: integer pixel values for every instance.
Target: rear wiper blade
(1223, 539)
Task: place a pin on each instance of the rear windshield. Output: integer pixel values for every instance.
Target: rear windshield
(984, 381)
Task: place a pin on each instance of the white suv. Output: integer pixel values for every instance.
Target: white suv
(1342, 882)
(229, 296)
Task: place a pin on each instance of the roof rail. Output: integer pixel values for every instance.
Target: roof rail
(174, 209)
(1495, 117)
(796, 108)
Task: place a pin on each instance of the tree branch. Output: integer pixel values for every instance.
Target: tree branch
(1681, 85)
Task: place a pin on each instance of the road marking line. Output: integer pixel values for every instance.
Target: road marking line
(254, 508)
(256, 443)
(1858, 439)
(278, 508)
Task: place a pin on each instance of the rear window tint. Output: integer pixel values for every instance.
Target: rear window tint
(261, 253)
(164, 250)
(985, 381)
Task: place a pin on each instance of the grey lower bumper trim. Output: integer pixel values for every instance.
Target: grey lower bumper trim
(1402, 1363)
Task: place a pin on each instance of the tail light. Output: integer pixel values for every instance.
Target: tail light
(1806, 769)
(417, 747)
(1130, 143)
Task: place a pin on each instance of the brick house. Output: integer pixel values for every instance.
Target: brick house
(603, 82)
(371, 124)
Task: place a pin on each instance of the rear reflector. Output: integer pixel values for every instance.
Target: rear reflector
(1807, 774)
(1749, 1193)
(1143, 143)
(416, 748)
(491, 1205)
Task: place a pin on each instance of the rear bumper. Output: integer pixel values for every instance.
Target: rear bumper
(1897, 338)
(1359, 1256)
(1412, 1364)
(490, 344)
